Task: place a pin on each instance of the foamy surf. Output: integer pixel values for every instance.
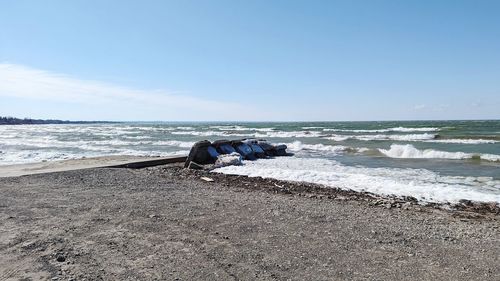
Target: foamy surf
(25, 157)
(464, 141)
(381, 137)
(261, 133)
(395, 129)
(422, 184)
(298, 146)
(410, 152)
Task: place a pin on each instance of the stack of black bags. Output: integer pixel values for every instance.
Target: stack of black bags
(204, 152)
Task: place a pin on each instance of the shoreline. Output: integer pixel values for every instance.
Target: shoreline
(157, 222)
(274, 185)
(317, 191)
(271, 185)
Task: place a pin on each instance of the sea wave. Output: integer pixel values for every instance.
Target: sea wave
(422, 184)
(379, 137)
(183, 144)
(210, 133)
(299, 146)
(241, 128)
(289, 134)
(464, 141)
(12, 157)
(312, 127)
(387, 130)
(409, 151)
(185, 128)
(94, 145)
(137, 137)
(263, 134)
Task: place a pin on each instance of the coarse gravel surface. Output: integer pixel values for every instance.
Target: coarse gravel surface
(166, 223)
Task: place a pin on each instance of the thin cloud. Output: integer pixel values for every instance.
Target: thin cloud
(33, 84)
(419, 107)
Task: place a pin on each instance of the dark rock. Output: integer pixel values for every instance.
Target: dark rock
(466, 202)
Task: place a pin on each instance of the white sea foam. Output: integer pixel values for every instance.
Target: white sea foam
(395, 129)
(263, 134)
(364, 149)
(26, 156)
(290, 134)
(30, 156)
(185, 128)
(464, 141)
(339, 137)
(241, 128)
(210, 133)
(490, 157)
(426, 137)
(407, 137)
(409, 151)
(422, 184)
(137, 137)
(183, 144)
(263, 129)
(299, 146)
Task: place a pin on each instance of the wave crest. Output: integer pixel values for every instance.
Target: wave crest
(395, 129)
(409, 151)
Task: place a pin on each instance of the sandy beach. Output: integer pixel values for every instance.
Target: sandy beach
(166, 223)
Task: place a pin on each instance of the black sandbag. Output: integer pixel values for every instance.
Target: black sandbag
(244, 150)
(280, 150)
(267, 147)
(223, 146)
(257, 150)
(202, 153)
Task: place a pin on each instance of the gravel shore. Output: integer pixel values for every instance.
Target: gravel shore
(166, 223)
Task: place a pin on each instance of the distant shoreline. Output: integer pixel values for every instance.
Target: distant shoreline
(29, 121)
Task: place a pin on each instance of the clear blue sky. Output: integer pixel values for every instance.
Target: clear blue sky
(250, 60)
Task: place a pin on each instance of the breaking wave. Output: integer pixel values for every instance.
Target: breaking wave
(241, 128)
(409, 151)
(183, 144)
(312, 127)
(209, 133)
(261, 134)
(395, 129)
(27, 156)
(297, 146)
(408, 137)
(464, 141)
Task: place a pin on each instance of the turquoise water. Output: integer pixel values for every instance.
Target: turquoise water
(460, 156)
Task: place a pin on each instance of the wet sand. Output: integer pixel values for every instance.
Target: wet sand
(166, 223)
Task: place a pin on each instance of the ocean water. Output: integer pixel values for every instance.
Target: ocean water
(434, 161)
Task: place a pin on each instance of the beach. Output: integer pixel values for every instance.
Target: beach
(249, 140)
(167, 223)
(432, 161)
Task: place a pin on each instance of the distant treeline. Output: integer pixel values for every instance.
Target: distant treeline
(19, 121)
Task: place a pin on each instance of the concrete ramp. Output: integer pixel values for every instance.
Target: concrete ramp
(133, 162)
